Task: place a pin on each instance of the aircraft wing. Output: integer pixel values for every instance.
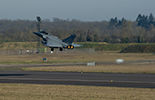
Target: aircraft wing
(53, 44)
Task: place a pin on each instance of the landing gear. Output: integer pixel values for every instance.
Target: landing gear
(61, 49)
(52, 49)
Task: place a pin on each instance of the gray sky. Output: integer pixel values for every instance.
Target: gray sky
(84, 10)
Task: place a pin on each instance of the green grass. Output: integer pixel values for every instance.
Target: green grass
(139, 48)
(18, 45)
(98, 46)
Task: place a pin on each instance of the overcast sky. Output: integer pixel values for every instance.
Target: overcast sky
(84, 10)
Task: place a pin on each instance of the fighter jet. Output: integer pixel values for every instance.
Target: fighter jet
(54, 42)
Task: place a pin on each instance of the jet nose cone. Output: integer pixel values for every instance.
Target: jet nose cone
(38, 34)
(35, 32)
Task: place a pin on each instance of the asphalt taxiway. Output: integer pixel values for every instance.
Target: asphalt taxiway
(70, 78)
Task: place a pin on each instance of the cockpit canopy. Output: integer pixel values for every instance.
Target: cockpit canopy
(44, 32)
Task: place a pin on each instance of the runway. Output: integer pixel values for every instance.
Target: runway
(89, 79)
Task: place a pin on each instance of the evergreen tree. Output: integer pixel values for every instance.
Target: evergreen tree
(113, 22)
(88, 38)
(107, 39)
(145, 21)
(95, 38)
(151, 18)
(139, 18)
(139, 39)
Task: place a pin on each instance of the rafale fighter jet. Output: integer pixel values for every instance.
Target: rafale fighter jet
(54, 42)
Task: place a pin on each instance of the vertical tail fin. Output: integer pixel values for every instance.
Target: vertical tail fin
(70, 39)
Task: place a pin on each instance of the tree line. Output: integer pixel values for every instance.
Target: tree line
(113, 31)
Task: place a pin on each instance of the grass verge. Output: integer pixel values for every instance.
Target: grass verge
(72, 58)
(149, 69)
(69, 92)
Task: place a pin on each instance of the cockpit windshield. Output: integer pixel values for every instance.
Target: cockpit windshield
(44, 32)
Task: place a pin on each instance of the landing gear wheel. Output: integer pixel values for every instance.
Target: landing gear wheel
(52, 49)
(61, 49)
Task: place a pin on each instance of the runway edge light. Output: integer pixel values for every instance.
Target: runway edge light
(91, 64)
(119, 61)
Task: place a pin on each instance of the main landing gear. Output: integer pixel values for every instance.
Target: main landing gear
(61, 49)
(52, 49)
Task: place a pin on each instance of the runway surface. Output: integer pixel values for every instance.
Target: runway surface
(90, 79)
